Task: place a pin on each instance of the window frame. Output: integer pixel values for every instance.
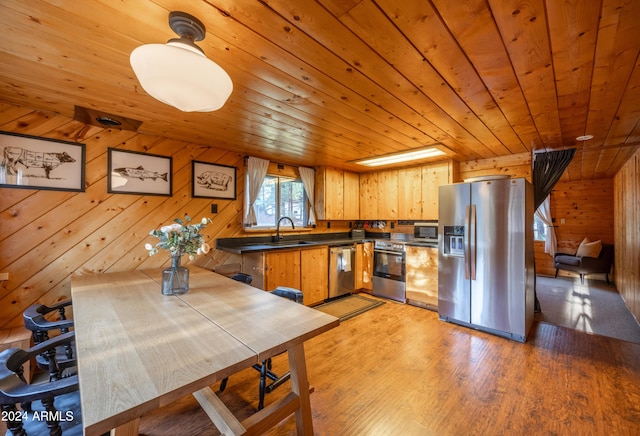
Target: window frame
(279, 178)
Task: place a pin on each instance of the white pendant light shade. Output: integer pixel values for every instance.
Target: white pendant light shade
(178, 73)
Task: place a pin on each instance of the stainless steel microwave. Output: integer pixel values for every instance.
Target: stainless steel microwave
(426, 231)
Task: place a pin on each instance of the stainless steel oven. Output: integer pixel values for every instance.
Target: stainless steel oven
(389, 270)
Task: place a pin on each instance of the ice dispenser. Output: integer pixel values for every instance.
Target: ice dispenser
(454, 240)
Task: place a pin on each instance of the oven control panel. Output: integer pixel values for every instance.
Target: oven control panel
(389, 246)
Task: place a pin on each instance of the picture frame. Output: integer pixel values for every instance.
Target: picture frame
(134, 172)
(213, 180)
(33, 162)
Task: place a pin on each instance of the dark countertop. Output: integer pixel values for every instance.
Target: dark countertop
(265, 243)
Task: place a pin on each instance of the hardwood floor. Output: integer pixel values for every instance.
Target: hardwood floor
(398, 370)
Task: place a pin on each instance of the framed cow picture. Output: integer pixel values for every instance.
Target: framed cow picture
(213, 180)
(33, 162)
(133, 172)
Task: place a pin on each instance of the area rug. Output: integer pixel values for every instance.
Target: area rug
(349, 306)
(594, 307)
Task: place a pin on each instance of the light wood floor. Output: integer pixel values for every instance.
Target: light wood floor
(398, 370)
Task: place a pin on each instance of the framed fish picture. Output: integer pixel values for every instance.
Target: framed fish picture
(32, 162)
(213, 180)
(133, 172)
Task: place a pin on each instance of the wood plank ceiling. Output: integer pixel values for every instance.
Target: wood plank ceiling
(326, 82)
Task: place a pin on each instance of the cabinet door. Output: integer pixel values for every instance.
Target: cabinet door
(351, 196)
(364, 266)
(369, 196)
(329, 194)
(315, 274)
(422, 275)
(282, 268)
(388, 195)
(253, 264)
(410, 193)
(433, 176)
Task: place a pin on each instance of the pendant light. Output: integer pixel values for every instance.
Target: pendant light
(178, 73)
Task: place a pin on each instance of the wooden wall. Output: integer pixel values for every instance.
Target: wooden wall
(46, 236)
(517, 165)
(627, 233)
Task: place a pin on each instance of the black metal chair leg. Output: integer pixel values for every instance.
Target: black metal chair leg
(556, 272)
(263, 384)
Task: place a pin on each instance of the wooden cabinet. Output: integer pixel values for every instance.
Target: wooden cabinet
(315, 274)
(410, 193)
(306, 269)
(388, 195)
(369, 196)
(422, 276)
(282, 268)
(337, 194)
(351, 197)
(433, 176)
(405, 194)
(364, 266)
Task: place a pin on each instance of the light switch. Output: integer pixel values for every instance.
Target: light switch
(562, 221)
(4, 276)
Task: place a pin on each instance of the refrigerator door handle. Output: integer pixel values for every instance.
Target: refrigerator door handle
(472, 241)
(465, 244)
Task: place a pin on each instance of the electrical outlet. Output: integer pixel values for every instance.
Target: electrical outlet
(4, 276)
(562, 221)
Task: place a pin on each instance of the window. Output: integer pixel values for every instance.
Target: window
(539, 229)
(279, 197)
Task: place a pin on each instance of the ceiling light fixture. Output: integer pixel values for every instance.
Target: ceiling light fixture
(404, 156)
(178, 73)
(584, 138)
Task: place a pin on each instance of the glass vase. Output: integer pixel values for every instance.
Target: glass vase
(175, 279)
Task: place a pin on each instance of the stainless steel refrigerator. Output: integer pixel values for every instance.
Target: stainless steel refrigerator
(485, 256)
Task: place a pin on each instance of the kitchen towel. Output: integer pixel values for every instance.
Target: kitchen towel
(346, 259)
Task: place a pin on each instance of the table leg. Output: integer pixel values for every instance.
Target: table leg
(128, 429)
(300, 386)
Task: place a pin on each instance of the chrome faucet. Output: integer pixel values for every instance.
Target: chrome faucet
(293, 226)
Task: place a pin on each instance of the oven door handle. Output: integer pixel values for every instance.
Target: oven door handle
(397, 253)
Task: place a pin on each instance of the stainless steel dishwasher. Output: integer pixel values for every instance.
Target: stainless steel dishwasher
(342, 260)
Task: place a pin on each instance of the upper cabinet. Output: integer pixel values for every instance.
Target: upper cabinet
(402, 194)
(410, 193)
(337, 194)
(433, 176)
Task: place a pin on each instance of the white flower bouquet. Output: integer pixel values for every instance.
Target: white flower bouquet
(180, 238)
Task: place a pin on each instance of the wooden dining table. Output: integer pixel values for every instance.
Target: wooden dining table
(139, 350)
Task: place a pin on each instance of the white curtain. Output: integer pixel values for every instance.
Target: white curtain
(544, 213)
(309, 181)
(256, 172)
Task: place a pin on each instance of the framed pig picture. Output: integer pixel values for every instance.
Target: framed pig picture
(132, 172)
(213, 180)
(32, 162)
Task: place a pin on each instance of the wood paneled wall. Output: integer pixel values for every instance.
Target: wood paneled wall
(587, 210)
(46, 236)
(627, 233)
(517, 165)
